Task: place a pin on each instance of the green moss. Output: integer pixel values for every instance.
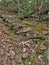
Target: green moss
(11, 33)
(38, 27)
(26, 22)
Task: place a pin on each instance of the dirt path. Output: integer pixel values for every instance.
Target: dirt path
(7, 55)
(25, 48)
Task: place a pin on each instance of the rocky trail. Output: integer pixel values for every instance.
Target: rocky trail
(25, 44)
(7, 54)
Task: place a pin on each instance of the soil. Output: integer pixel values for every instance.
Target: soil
(26, 43)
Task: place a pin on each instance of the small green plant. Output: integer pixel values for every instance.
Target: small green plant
(25, 9)
(30, 7)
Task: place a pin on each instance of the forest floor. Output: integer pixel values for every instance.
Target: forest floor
(23, 42)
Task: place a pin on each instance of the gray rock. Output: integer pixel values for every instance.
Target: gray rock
(25, 55)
